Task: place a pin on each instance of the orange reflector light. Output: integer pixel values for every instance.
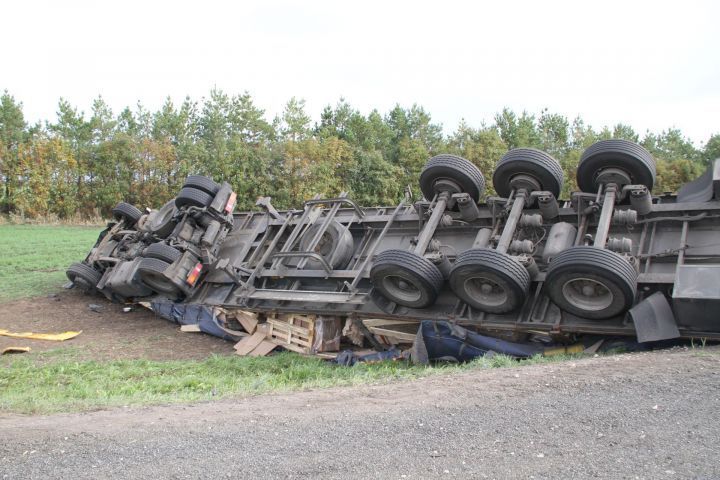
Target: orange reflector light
(230, 205)
(192, 278)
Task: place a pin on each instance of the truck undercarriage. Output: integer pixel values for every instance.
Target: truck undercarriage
(613, 259)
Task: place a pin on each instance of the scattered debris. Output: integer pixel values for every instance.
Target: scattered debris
(405, 331)
(348, 358)
(54, 337)
(353, 333)
(127, 309)
(95, 307)
(248, 345)
(194, 328)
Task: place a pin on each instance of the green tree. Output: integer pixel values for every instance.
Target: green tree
(13, 133)
(711, 151)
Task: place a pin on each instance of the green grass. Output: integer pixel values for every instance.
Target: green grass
(55, 381)
(33, 258)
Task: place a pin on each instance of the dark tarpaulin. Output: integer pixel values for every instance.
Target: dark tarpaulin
(445, 341)
(193, 314)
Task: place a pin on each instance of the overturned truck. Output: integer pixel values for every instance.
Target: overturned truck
(613, 259)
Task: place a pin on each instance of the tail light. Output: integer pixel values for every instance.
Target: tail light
(194, 274)
(230, 205)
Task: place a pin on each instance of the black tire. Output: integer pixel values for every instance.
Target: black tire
(538, 165)
(490, 281)
(591, 282)
(192, 197)
(627, 156)
(451, 173)
(163, 252)
(83, 276)
(151, 272)
(161, 223)
(337, 239)
(128, 213)
(406, 279)
(206, 184)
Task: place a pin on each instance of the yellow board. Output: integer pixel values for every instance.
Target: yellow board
(53, 337)
(570, 349)
(15, 350)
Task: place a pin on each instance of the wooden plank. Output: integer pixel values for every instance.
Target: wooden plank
(305, 332)
(290, 346)
(248, 344)
(380, 322)
(327, 355)
(248, 320)
(263, 349)
(190, 328)
(285, 338)
(402, 336)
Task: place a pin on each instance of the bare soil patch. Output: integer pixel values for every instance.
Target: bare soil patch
(107, 335)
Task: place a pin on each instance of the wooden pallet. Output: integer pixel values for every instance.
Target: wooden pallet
(293, 332)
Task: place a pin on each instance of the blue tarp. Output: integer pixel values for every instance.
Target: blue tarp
(445, 341)
(193, 314)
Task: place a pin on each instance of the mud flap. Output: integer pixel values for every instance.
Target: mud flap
(703, 188)
(654, 319)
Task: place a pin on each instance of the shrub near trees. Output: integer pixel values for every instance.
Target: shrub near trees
(80, 166)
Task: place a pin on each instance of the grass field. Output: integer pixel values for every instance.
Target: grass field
(33, 258)
(54, 381)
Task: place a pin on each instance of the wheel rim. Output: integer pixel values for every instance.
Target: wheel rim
(486, 291)
(325, 245)
(587, 294)
(401, 288)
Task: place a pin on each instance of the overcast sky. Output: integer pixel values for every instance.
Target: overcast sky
(652, 65)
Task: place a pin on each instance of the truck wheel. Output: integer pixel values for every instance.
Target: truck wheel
(490, 281)
(530, 169)
(128, 213)
(336, 238)
(453, 174)
(628, 157)
(161, 223)
(591, 282)
(192, 197)
(406, 279)
(206, 184)
(84, 276)
(152, 274)
(163, 252)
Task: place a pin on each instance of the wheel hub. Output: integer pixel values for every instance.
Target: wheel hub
(613, 175)
(401, 288)
(448, 185)
(524, 181)
(587, 294)
(486, 291)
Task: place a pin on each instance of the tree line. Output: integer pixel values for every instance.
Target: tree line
(83, 165)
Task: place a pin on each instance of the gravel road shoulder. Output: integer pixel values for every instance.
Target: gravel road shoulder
(643, 415)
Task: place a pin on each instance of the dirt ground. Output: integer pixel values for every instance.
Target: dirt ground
(107, 334)
(643, 415)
